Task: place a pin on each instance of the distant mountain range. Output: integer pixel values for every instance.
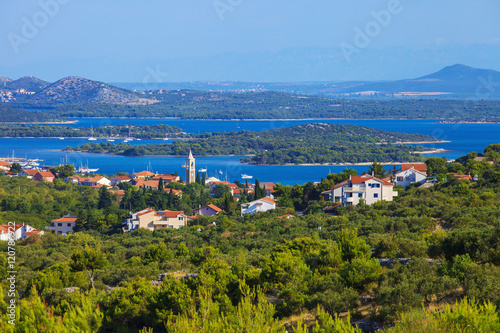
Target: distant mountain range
(452, 82)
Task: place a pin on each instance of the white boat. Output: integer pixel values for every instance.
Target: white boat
(92, 134)
(245, 176)
(85, 169)
(137, 139)
(61, 138)
(111, 140)
(127, 140)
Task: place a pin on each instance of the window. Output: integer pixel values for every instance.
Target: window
(59, 224)
(53, 224)
(170, 226)
(181, 218)
(375, 195)
(69, 224)
(400, 179)
(376, 185)
(360, 195)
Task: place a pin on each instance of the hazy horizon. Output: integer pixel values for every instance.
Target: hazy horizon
(240, 40)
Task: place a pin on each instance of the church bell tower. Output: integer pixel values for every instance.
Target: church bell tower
(190, 169)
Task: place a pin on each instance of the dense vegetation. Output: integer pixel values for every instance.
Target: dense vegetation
(121, 131)
(11, 115)
(259, 272)
(311, 143)
(190, 104)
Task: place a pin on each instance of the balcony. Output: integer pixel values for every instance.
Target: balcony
(354, 189)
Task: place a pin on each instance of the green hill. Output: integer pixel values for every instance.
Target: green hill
(12, 115)
(311, 143)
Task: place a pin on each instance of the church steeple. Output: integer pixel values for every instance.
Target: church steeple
(190, 169)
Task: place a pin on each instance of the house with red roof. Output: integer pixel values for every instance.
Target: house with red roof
(75, 179)
(62, 226)
(28, 173)
(461, 177)
(260, 205)
(286, 216)
(13, 231)
(5, 166)
(147, 184)
(422, 167)
(142, 175)
(173, 191)
(167, 178)
(213, 184)
(95, 181)
(45, 176)
(335, 193)
(209, 210)
(365, 187)
(119, 179)
(269, 187)
(409, 174)
(154, 220)
(239, 192)
(120, 193)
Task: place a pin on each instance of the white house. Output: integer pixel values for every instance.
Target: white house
(29, 173)
(335, 193)
(94, 181)
(260, 205)
(17, 231)
(153, 220)
(119, 179)
(406, 177)
(5, 166)
(63, 225)
(365, 187)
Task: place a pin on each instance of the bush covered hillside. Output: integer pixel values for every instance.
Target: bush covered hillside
(429, 261)
(12, 115)
(192, 104)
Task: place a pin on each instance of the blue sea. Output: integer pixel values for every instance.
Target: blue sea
(463, 138)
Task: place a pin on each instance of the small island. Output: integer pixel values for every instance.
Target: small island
(316, 143)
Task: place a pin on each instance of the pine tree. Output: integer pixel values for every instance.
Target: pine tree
(105, 199)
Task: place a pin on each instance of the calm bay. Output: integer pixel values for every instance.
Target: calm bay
(463, 138)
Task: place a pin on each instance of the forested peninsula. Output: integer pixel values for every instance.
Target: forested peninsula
(316, 143)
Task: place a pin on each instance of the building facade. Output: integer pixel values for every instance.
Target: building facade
(154, 220)
(62, 226)
(256, 206)
(365, 187)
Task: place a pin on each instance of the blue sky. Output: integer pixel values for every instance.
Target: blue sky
(119, 40)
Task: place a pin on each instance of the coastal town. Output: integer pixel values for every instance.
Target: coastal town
(365, 188)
